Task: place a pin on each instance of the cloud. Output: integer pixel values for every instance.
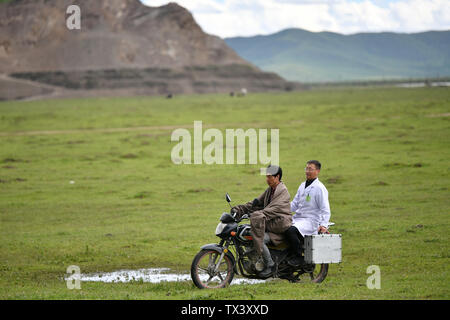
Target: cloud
(227, 18)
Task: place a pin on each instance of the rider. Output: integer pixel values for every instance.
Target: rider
(272, 215)
(312, 211)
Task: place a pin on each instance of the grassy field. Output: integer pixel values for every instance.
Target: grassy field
(385, 155)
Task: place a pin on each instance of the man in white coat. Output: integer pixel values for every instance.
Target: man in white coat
(312, 211)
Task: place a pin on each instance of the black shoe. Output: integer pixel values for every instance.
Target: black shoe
(266, 272)
(295, 261)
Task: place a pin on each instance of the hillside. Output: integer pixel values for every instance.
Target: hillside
(114, 34)
(118, 35)
(300, 55)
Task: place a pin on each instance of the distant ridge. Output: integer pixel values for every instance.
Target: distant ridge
(301, 55)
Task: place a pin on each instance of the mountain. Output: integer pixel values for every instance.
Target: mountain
(114, 34)
(300, 55)
(122, 44)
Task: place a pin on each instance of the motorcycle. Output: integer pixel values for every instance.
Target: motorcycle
(215, 265)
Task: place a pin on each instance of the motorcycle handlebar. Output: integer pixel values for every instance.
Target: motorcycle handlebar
(233, 214)
(245, 216)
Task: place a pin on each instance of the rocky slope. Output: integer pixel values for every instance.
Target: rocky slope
(116, 35)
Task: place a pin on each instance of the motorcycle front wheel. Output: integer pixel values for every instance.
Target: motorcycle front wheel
(203, 270)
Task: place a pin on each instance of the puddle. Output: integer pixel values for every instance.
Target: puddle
(152, 275)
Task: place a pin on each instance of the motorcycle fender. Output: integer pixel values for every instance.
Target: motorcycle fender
(219, 249)
(213, 246)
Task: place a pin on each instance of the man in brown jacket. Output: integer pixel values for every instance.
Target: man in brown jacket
(271, 216)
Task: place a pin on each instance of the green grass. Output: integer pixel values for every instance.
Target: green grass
(385, 155)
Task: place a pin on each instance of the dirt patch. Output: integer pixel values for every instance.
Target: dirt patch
(129, 156)
(199, 190)
(17, 180)
(142, 195)
(131, 129)
(14, 89)
(8, 160)
(403, 165)
(334, 180)
(439, 115)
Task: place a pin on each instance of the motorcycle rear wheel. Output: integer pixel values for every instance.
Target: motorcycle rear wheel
(202, 270)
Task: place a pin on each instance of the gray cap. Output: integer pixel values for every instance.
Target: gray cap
(272, 170)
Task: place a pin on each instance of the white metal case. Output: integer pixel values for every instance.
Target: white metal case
(323, 248)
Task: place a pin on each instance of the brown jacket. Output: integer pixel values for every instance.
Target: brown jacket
(277, 213)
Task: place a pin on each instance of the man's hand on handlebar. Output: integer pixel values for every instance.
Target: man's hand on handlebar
(234, 212)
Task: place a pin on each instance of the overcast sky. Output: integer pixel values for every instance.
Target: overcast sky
(229, 18)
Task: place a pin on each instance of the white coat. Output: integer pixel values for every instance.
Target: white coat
(311, 208)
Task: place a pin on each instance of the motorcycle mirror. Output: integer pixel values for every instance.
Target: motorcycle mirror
(227, 197)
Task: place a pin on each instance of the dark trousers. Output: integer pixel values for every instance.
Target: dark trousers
(295, 240)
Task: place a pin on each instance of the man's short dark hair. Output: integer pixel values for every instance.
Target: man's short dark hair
(315, 162)
(274, 171)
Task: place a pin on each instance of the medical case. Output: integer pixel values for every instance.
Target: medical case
(323, 248)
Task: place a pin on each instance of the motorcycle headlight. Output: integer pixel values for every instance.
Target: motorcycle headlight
(220, 228)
